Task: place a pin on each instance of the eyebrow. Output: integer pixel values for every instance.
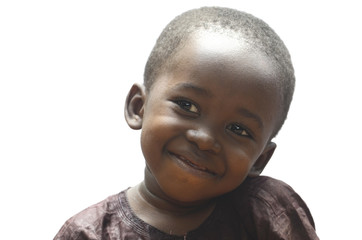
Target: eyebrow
(248, 114)
(190, 86)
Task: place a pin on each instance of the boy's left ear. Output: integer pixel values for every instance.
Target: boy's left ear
(263, 160)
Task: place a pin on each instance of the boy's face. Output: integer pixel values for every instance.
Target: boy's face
(208, 119)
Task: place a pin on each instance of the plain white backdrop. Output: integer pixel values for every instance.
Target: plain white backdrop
(65, 70)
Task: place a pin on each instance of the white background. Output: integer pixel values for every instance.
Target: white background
(66, 67)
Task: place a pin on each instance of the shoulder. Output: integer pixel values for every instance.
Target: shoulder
(87, 224)
(275, 193)
(273, 208)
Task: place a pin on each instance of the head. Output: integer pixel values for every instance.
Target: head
(243, 26)
(215, 94)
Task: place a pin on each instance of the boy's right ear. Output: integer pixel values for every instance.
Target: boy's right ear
(134, 107)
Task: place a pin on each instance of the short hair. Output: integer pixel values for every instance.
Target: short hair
(243, 26)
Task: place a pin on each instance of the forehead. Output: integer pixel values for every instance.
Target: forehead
(224, 55)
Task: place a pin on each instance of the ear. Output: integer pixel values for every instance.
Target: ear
(134, 107)
(263, 160)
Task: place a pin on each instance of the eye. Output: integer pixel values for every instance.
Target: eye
(239, 130)
(187, 105)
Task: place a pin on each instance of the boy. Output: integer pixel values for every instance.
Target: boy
(217, 89)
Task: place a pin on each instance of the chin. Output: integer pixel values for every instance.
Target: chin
(188, 197)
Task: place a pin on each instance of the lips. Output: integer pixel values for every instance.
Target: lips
(193, 164)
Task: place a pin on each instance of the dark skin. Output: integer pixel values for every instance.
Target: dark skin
(206, 125)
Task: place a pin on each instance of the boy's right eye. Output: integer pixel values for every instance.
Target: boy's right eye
(187, 106)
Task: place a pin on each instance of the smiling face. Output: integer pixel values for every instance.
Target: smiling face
(209, 119)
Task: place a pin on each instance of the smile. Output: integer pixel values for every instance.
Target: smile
(192, 164)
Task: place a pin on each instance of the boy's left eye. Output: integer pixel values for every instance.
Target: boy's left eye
(187, 105)
(237, 129)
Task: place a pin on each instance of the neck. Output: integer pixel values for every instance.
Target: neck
(161, 202)
(167, 215)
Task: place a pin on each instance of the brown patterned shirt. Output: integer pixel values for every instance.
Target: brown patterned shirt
(262, 208)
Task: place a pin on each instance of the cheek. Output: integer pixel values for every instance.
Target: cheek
(240, 162)
(239, 168)
(158, 128)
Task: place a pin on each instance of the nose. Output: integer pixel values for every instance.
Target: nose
(204, 140)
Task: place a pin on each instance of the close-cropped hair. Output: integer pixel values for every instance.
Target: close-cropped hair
(239, 25)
